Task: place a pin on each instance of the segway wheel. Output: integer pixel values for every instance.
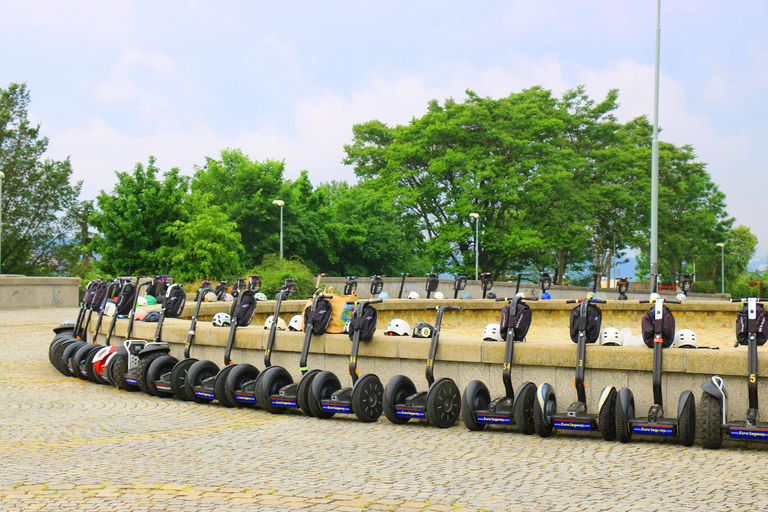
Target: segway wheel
(304, 392)
(686, 423)
(79, 356)
(142, 371)
(196, 374)
(523, 411)
(367, 398)
(89, 369)
(119, 371)
(607, 417)
(398, 388)
(623, 426)
(160, 366)
(323, 387)
(710, 416)
(476, 397)
(179, 377)
(66, 357)
(236, 379)
(540, 424)
(269, 383)
(58, 357)
(443, 403)
(108, 369)
(220, 383)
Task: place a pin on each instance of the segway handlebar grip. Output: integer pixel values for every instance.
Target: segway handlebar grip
(444, 308)
(599, 301)
(525, 299)
(744, 299)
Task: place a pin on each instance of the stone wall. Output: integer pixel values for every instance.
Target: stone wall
(38, 292)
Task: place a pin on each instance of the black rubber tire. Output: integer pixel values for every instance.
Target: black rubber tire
(324, 385)
(196, 374)
(539, 424)
(89, 369)
(476, 397)
(443, 403)
(623, 427)
(368, 398)
(108, 369)
(119, 371)
(160, 366)
(607, 417)
(179, 377)
(397, 389)
(304, 391)
(523, 411)
(269, 383)
(710, 418)
(686, 423)
(58, 353)
(67, 355)
(79, 356)
(142, 369)
(236, 379)
(220, 383)
(57, 341)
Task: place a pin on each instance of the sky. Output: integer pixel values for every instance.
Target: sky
(112, 83)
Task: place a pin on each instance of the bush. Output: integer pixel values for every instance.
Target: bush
(275, 271)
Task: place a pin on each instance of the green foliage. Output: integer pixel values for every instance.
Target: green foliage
(274, 272)
(134, 220)
(206, 246)
(40, 210)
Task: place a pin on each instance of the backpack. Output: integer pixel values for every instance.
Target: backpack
(98, 296)
(157, 287)
(667, 327)
(593, 322)
(244, 308)
(221, 290)
(321, 317)
(126, 299)
(520, 323)
(175, 299)
(742, 329)
(365, 323)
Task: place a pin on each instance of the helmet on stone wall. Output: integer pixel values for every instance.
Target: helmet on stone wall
(221, 319)
(295, 323)
(398, 327)
(610, 336)
(685, 338)
(492, 332)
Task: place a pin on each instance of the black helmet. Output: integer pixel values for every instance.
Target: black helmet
(423, 330)
(152, 316)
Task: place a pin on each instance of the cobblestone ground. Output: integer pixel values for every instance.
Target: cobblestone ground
(70, 445)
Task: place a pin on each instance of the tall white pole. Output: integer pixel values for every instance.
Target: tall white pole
(477, 245)
(722, 268)
(655, 157)
(281, 231)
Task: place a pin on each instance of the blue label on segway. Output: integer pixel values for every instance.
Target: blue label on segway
(573, 424)
(493, 418)
(749, 433)
(657, 430)
(411, 413)
(335, 408)
(242, 397)
(204, 394)
(131, 380)
(162, 387)
(283, 402)
(82, 372)
(104, 377)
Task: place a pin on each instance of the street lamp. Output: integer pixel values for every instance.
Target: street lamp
(722, 267)
(280, 203)
(476, 216)
(2, 175)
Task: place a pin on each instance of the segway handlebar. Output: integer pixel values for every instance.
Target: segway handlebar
(355, 302)
(444, 308)
(744, 299)
(596, 301)
(666, 301)
(507, 299)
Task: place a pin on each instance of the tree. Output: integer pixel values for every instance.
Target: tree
(133, 220)
(39, 204)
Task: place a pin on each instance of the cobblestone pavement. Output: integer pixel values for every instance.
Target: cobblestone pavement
(70, 445)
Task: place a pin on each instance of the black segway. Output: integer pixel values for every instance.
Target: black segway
(486, 282)
(752, 331)
(477, 408)
(161, 370)
(363, 399)
(657, 326)
(432, 283)
(440, 405)
(402, 284)
(204, 382)
(622, 287)
(586, 320)
(459, 283)
(244, 384)
(68, 332)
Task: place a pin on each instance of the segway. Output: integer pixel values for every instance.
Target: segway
(363, 399)
(440, 405)
(477, 408)
(486, 282)
(459, 283)
(622, 286)
(684, 426)
(713, 410)
(350, 286)
(402, 284)
(204, 382)
(244, 384)
(69, 332)
(160, 374)
(586, 320)
(432, 283)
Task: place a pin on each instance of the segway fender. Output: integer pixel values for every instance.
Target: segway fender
(627, 398)
(434, 383)
(681, 402)
(521, 392)
(542, 395)
(154, 347)
(358, 380)
(716, 387)
(603, 398)
(69, 325)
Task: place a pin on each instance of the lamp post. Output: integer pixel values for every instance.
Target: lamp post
(2, 176)
(722, 267)
(476, 216)
(280, 203)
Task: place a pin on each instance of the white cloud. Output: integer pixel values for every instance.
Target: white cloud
(155, 60)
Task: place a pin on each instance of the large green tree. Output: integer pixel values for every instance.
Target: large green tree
(41, 212)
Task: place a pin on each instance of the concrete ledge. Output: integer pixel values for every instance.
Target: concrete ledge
(38, 292)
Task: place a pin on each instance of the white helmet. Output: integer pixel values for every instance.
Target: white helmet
(492, 332)
(383, 295)
(210, 297)
(414, 295)
(110, 309)
(520, 295)
(610, 336)
(141, 301)
(228, 297)
(221, 319)
(280, 323)
(295, 323)
(685, 338)
(466, 295)
(654, 296)
(398, 327)
(439, 295)
(681, 297)
(260, 296)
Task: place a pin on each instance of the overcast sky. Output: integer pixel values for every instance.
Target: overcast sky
(114, 82)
